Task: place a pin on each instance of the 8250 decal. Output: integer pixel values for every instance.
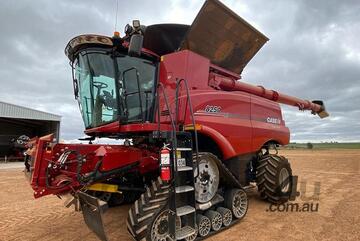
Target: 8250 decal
(212, 108)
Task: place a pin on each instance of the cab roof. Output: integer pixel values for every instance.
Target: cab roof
(217, 33)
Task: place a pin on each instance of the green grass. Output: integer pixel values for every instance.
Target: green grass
(355, 145)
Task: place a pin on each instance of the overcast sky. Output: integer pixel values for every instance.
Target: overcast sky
(313, 53)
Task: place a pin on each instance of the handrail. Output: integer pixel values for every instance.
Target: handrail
(167, 107)
(174, 122)
(171, 119)
(134, 92)
(188, 102)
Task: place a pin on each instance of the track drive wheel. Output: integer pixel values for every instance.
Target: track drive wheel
(274, 178)
(236, 200)
(148, 218)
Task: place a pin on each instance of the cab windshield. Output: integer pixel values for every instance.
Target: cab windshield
(113, 87)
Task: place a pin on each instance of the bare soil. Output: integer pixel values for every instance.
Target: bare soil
(337, 217)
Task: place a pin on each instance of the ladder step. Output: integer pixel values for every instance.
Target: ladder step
(182, 189)
(184, 232)
(183, 149)
(184, 210)
(184, 169)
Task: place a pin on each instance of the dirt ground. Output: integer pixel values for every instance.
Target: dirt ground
(337, 217)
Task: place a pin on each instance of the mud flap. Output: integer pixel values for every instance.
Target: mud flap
(92, 209)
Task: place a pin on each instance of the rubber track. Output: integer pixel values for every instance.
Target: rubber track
(145, 209)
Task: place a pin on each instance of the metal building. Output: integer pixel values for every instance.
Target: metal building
(16, 121)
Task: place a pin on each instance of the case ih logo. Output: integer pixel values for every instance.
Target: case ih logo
(273, 120)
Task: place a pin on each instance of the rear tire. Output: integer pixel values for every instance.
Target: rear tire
(274, 178)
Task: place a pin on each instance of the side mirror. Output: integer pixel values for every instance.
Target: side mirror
(135, 46)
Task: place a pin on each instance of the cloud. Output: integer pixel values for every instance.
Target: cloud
(313, 53)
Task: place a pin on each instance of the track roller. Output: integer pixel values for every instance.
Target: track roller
(215, 219)
(226, 215)
(204, 225)
(193, 237)
(236, 200)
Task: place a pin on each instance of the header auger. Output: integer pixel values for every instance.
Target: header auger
(196, 137)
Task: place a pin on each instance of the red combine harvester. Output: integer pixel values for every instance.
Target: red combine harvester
(196, 137)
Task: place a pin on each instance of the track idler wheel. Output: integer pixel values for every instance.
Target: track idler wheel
(215, 219)
(236, 200)
(204, 225)
(226, 215)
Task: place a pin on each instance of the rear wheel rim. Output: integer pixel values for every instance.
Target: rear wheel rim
(284, 180)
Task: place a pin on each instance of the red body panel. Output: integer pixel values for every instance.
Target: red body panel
(244, 120)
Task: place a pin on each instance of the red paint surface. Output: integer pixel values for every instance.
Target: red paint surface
(241, 125)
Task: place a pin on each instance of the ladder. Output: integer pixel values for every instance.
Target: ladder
(182, 189)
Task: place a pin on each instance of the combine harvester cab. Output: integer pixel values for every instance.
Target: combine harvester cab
(196, 137)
